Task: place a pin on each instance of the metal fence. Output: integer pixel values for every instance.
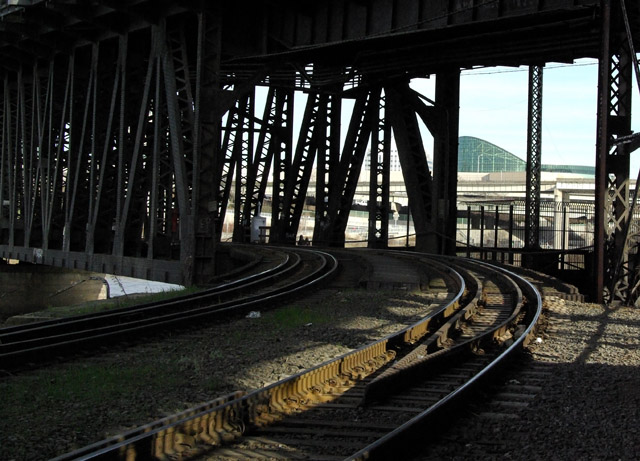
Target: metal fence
(497, 231)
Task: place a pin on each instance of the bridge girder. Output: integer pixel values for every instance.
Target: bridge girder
(124, 124)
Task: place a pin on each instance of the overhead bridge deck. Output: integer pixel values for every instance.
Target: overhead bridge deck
(128, 128)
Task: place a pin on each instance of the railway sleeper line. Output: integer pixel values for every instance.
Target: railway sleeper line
(386, 382)
(42, 341)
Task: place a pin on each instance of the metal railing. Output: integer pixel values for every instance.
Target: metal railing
(496, 231)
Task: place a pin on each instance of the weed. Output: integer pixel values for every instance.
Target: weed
(291, 317)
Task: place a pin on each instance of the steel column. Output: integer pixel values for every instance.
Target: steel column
(341, 195)
(379, 178)
(625, 281)
(207, 140)
(298, 177)
(4, 163)
(445, 158)
(243, 166)
(534, 159)
(401, 104)
(612, 162)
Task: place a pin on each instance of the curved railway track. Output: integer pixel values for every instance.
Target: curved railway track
(367, 404)
(279, 274)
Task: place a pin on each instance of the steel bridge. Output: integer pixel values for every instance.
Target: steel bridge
(128, 126)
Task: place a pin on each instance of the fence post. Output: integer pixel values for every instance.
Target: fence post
(468, 231)
(511, 234)
(482, 232)
(564, 235)
(495, 234)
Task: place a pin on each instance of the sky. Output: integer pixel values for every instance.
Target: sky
(494, 106)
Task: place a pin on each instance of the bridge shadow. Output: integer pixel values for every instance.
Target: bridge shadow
(28, 288)
(586, 372)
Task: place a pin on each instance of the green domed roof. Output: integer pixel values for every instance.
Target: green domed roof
(479, 156)
(476, 155)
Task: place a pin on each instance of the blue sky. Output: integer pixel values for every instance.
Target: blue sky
(493, 106)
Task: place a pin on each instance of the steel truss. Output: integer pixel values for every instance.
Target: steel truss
(617, 255)
(272, 136)
(365, 113)
(402, 103)
(534, 158)
(99, 150)
(282, 160)
(124, 128)
(442, 119)
(327, 163)
(297, 178)
(379, 178)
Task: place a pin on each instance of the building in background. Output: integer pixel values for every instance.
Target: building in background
(479, 156)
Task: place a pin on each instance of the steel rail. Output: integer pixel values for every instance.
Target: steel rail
(6, 333)
(384, 446)
(78, 324)
(213, 424)
(181, 314)
(327, 382)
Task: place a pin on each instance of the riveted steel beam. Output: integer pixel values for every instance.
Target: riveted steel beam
(401, 103)
(445, 156)
(379, 179)
(297, 179)
(327, 163)
(365, 112)
(612, 160)
(534, 158)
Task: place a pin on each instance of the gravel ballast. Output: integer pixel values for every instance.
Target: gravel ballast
(587, 407)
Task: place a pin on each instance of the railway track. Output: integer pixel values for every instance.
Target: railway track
(279, 274)
(367, 404)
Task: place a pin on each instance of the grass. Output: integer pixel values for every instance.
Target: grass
(79, 402)
(292, 317)
(92, 384)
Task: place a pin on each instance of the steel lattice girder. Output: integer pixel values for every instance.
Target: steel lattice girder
(282, 160)
(622, 236)
(107, 168)
(612, 161)
(534, 159)
(379, 178)
(401, 103)
(353, 153)
(297, 181)
(327, 164)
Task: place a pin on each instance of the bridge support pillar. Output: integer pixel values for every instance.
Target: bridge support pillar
(402, 104)
(445, 160)
(379, 177)
(534, 162)
(612, 161)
